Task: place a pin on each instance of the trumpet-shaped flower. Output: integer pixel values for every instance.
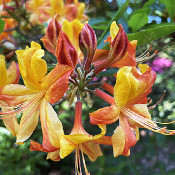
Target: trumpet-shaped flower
(129, 105)
(39, 88)
(78, 140)
(9, 76)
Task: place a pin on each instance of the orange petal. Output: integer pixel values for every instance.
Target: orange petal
(106, 115)
(130, 139)
(57, 90)
(100, 56)
(59, 71)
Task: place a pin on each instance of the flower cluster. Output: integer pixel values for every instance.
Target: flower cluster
(74, 44)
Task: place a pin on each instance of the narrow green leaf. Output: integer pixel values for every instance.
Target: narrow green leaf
(116, 17)
(2, 24)
(148, 35)
(137, 21)
(149, 3)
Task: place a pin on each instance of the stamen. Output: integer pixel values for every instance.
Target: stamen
(147, 123)
(83, 159)
(153, 106)
(145, 56)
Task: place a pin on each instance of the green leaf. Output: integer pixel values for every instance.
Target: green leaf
(137, 21)
(148, 35)
(149, 3)
(143, 10)
(170, 6)
(116, 17)
(2, 24)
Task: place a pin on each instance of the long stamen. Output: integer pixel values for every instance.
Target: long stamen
(147, 123)
(153, 106)
(83, 159)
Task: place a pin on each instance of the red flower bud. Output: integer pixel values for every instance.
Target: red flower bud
(87, 44)
(52, 33)
(65, 51)
(118, 49)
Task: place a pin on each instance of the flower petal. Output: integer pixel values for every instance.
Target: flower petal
(92, 150)
(28, 123)
(13, 73)
(3, 71)
(126, 86)
(51, 126)
(106, 115)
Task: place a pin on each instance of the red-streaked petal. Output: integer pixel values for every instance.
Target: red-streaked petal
(106, 115)
(65, 51)
(100, 56)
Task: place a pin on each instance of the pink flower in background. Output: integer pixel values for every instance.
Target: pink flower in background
(160, 64)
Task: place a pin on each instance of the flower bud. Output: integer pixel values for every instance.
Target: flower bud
(117, 51)
(87, 44)
(65, 51)
(52, 33)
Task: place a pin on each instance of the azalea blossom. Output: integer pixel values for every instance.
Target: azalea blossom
(78, 140)
(129, 106)
(32, 100)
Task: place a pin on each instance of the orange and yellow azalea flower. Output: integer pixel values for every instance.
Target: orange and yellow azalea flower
(78, 140)
(129, 105)
(9, 76)
(39, 90)
(43, 11)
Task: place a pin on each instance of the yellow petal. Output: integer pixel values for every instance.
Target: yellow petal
(51, 126)
(67, 28)
(9, 121)
(118, 141)
(113, 30)
(126, 86)
(92, 150)
(55, 155)
(3, 71)
(28, 123)
(143, 67)
(38, 65)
